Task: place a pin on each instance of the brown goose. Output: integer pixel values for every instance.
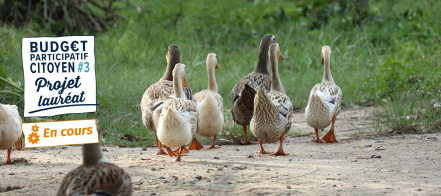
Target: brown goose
(272, 111)
(245, 89)
(96, 176)
(158, 92)
(324, 102)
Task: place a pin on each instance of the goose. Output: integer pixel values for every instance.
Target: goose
(244, 90)
(10, 130)
(96, 175)
(272, 111)
(324, 102)
(155, 95)
(179, 117)
(210, 107)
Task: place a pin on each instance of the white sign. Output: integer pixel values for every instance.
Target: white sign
(59, 75)
(46, 134)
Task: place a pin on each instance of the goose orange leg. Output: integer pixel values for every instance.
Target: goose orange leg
(170, 151)
(280, 151)
(330, 137)
(317, 139)
(184, 151)
(180, 153)
(212, 143)
(8, 160)
(245, 140)
(160, 151)
(262, 151)
(195, 144)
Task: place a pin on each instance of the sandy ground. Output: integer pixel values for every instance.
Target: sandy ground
(359, 165)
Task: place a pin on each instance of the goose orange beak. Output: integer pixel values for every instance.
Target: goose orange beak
(184, 83)
(281, 57)
(217, 66)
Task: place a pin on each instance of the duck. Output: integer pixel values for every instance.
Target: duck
(210, 107)
(157, 93)
(10, 130)
(243, 92)
(96, 175)
(324, 102)
(178, 120)
(272, 111)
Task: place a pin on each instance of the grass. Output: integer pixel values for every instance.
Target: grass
(371, 61)
(411, 113)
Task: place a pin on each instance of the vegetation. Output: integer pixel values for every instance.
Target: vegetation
(62, 17)
(387, 55)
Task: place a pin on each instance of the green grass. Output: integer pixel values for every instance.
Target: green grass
(413, 112)
(372, 61)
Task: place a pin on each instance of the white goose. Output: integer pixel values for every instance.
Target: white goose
(10, 129)
(324, 102)
(210, 107)
(178, 119)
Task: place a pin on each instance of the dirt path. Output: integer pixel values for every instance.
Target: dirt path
(405, 165)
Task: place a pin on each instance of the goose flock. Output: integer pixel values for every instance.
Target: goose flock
(175, 115)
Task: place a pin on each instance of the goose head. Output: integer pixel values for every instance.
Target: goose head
(179, 73)
(267, 40)
(173, 55)
(326, 52)
(212, 61)
(274, 50)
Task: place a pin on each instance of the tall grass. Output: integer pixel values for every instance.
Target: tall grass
(131, 56)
